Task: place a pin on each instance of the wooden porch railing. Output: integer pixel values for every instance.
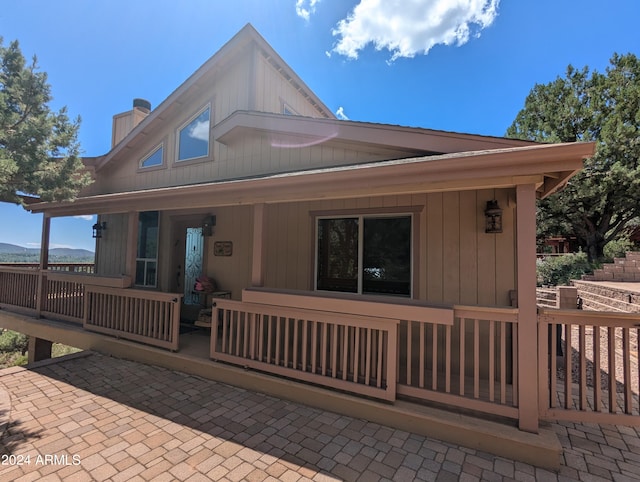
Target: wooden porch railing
(471, 364)
(148, 317)
(101, 304)
(343, 351)
(70, 267)
(18, 287)
(462, 356)
(589, 372)
(63, 296)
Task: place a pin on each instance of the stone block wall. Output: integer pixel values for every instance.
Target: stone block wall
(622, 269)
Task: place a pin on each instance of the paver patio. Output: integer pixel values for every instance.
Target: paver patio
(102, 418)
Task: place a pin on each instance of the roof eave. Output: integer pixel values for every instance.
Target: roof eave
(312, 131)
(459, 171)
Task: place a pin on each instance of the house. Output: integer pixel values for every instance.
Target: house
(378, 260)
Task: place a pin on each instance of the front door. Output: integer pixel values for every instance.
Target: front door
(192, 264)
(187, 263)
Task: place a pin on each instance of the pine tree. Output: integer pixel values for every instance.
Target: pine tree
(601, 202)
(39, 149)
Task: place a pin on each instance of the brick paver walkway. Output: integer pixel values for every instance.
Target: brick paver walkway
(100, 418)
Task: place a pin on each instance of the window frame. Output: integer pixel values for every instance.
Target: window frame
(148, 260)
(162, 164)
(361, 215)
(181, 127)
(288, 110)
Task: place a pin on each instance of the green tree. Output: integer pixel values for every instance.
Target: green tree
(598, 203)
(39, 150)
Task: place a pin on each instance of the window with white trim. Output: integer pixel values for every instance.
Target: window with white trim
(147, 252)
(193, 138)
(364, 254)
(156, 158)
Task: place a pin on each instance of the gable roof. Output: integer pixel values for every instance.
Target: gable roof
(248, 36)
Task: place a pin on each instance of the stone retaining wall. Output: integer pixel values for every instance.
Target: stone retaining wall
(606, 298)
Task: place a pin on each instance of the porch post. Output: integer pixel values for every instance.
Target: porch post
(527, 311)
(132, 245)
(41, 294)
(257, 267)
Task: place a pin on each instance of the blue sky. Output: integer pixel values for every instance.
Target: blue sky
(456, 65)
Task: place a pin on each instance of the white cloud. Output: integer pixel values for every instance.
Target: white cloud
(306, 8)
(200, 130)
(340, 114)
(86, 217)
(410, 27)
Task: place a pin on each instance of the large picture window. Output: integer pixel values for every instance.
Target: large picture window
(147, 252)
(193, 138)
(364, 254)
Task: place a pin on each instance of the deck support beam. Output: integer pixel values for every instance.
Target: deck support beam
(527, 311)
(38, 349)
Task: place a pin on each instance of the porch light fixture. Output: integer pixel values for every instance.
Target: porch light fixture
(493, 217)
(98, 228)
(207, 225)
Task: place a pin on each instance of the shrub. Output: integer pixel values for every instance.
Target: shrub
(13, 341)
(617, 248)
(559, 270)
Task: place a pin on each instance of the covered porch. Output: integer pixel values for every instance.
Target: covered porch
(458, 328)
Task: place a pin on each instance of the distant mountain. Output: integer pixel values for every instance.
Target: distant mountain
(6, 248)
(14, 249)
(70, 252)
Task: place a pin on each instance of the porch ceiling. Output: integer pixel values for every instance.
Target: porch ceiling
(549, 166)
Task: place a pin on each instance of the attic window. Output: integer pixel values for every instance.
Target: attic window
(156, 158)
(193, 138)
(287, 110)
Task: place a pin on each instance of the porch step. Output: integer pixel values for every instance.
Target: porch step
(542, 449)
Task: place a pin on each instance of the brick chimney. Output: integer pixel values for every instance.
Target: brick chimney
(127, 121)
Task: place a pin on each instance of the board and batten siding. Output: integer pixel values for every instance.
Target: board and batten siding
(232, 273)
(458, 262)
(272, 90)
(111, 248)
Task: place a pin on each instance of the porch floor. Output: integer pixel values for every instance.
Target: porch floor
(124, 420)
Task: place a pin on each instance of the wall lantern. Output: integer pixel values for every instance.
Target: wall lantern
(98, 228)
(207, 225)
(493, 216)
